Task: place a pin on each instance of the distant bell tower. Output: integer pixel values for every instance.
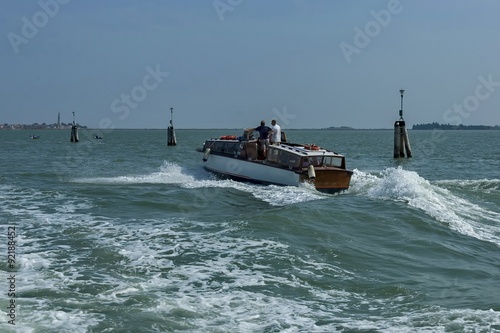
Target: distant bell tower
(59, 120)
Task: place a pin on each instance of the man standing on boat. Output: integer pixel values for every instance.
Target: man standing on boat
(276, 138)
(264, 135)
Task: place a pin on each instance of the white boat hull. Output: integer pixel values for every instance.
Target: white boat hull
(251, 171)
(287, 164)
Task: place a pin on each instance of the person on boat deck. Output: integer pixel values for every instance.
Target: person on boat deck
(276, 137)
(264, 134)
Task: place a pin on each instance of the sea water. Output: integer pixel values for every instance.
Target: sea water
(125, 234)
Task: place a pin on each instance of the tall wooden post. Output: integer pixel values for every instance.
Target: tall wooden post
(74, 130)
(171, 140)
(401, 139)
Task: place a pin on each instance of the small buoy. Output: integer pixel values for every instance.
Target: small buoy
(206, 154)
(310, 172)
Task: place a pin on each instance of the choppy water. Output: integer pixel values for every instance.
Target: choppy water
(125, 234)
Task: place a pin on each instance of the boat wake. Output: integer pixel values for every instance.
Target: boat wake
(171, 173)
(488, 186)
(196, 274)
(275, 195)
(440, 203)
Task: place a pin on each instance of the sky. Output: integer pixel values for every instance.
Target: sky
(232, 63)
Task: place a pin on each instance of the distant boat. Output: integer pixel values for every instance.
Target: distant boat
(34, 137)
(97, 137)
(285, 164)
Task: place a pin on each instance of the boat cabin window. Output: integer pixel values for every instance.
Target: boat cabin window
(312, 160)
(223, 147)
(283, 158)
(335, 161)
(327, 161)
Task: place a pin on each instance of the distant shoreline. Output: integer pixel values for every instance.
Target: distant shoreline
(65, 127)
(15, 127)
(437, 126)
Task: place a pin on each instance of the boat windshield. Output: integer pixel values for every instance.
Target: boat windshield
(283, 158)
(327, 161)
(227, 147)
(292, 161)
(335, 161)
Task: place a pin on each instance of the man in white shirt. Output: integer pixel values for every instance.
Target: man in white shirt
(276, 137)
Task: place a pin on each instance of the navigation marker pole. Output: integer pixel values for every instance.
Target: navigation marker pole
(171, 140)
(401, 140)
(74, 130)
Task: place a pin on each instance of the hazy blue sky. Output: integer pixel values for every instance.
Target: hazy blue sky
(231, 63)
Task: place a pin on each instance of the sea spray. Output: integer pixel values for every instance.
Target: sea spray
(402, 185)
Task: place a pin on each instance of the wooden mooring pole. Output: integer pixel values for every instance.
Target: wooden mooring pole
(401, 139)
(74, 130)
(171, 140)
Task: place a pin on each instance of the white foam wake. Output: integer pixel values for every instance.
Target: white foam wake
(193, 276)
(408, 186)
(171, 173)
(274, 195)
(488, 186)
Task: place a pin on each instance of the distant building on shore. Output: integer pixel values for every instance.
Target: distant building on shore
(37, 126)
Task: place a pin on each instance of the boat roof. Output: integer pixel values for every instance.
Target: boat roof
(295, 148)
(305, 149)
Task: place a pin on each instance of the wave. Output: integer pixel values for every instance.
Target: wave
(196, 275)
(274, 195)
(171, 173)
(440, 203)
(488, 186)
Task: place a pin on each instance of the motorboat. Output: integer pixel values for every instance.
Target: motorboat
(287, 163)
